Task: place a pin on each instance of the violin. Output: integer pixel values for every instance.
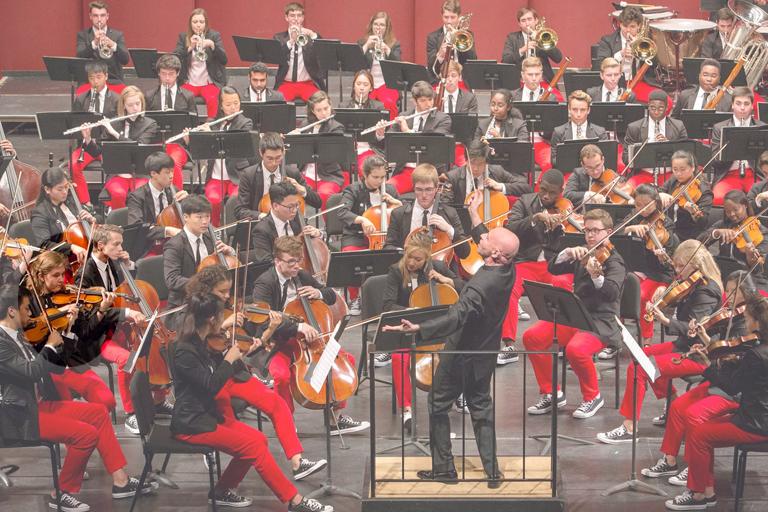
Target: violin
(88, 296)
(688, 194)
(721, 315)
(379, 216)
(617, 193)
(12, 247)
(676, 292)
(748, 238)
(721, 350)
(601, 253)
(38, 329)
(571, 222)
(440, 239)
(220, 342)
(657, 236)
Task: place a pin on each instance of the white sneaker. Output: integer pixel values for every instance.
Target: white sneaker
(354, 307)
(522, 314)
(381, 360)
(507, 355)
(588, 408)
(680, 479)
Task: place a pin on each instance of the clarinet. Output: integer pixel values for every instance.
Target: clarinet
(91, 108)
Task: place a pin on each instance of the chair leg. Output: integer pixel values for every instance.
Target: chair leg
(363, 355)
(562, 378)
(742, 475)
(218, 464)
(212, 492)
(735, 464)
(669, 399)
(165, 462)
(55, 474)
(111, 381)
(258, 419)
(147, 468)
(57, 447)
(617, 376)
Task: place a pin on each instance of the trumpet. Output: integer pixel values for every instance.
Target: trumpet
(378, 51)
(102, 122)
(395, 121)
(303, 129)
(105, 50)
(203, 127)
(301, 38)
(199, 50)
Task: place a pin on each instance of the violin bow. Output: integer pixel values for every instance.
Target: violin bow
(37, 295)
(634, 157)
(10, 212)
(234, 302)
(82, 278)
(469, 238)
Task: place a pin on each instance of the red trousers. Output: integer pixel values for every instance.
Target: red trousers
(210, 93)
(88, 385)
(353, 291)
(114, 353)
(647, 289)
(542, 155)
(119, 187)
(388, 97)
(81, 426)
(248, 447)
(264, 399)
(580, 346)
(324, 188)
(78, 177)
(732, 181)
(700, 448)
(402, 181)
(401, 378)
(179, 157)
(293, 90)
(116, 88)
(647, 177)
(689, 411)
(217, 191)
(281, 369)
(531, 271)
(662, 354)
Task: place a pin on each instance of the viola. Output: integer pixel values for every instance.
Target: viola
(571, 222)
(616, 193)
(721, 350)
(379, 216)
(677, 292)
(688, 194)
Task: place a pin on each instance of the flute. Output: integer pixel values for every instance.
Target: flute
(395, 121)
(310, 125)
(203, 126)
(101, 122)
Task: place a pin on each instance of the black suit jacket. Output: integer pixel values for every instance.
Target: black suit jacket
(267, 288)
(434, 40)
(235, 166)
(511, 53)
(687, 99)
(47, 228)
(311, 62)
(564, 132)
(251, 191)
(400, 227)
(610, 44)
(512, 127)
(514, 184)
(637, 133)
(330, 172)
(119, 58)
(466, 103)
(436, 122)
(704, 300)
(179, 265)
(685, 226)
(18, 376)
(596, 93)
(183, 102)
(712, 46)
(757, 188)
(397, 295)
(264, 236)
(109, 108)
(216, 64)
(92, 276)
(721, 166)
(533, 238)
(395, 52)
(142, 209)
(143, 130)
(369, 104)
(355, 200)
(270, 95)
(760, 275)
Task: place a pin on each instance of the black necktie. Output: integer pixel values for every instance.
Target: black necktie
(197, 252)
(271, 179)
(285, 228)
(421, 125)
(450, 103)
(703, 96)
(284, 295)
(295, 72)
(530, 96)
(168, 99)
(258, 96)
(109, 285)
(477, 183)
(425, 218)
(161, 202)
(607, 96)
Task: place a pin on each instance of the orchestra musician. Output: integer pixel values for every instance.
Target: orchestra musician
(581, 181)
(578, 126)
(737, 174)
(457, 100)
(298, 74)
(34, 411)
(100, 100)
(217, 281)
(379, 43)
(656, 127)
(428, 122)
(507, 120)
(533, 85)
(713, 44)
(759, 192)
(425, 212)
(610, 91)
(256, 181)
(257, 91)
(599, 286)
(203, 60)
(282, 220)
(198, 418)
(522, 44)
(360, 95)
(691, 261)
(692, 218)
(696, 97)
(149, 200)
(281, 285)
(437, 49)
(183, 252)
(104, 44)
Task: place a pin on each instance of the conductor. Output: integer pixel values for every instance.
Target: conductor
(472, 324)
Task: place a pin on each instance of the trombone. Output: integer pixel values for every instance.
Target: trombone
(101, 122)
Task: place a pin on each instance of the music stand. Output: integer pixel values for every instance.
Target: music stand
(560, 307)
(489, 75)
(658, 155)
(435, 148)
(126, 157)
(568, 153)
(513, 155)
(463, 126)
(762, 111)
(270, 117)
(692, 66)
(52, 125)
(401, 76)
(144, 60)
(728, 265)
(744, 143)
(357, 120)
(67, 69)
(171, 122)
(618, 212)
(136, 240)
(255, 49)
(615, 116)
(341, 57)
(542, 116)
(581, 81)
(391, 341)
(699, 123)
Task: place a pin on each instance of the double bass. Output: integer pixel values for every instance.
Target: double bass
(19, 189)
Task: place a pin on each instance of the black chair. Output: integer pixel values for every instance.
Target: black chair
(371, 304)
(157, 439)
(630, 309)
(22, 229)
(333, 225)
(740, 453)
(151, 270)
(118, 217)
(6, 443)
(228, 235)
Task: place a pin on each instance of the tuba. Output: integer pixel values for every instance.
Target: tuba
(742, 42)
(545, 37)
(642, 46)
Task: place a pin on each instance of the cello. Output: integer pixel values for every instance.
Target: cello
(379, 216)
(19, 188)
(316, 313)
(218, 258)
(172, 216)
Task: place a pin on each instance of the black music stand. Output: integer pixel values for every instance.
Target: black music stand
(658, 155)
(512, 154)
(144, 60)
(728, 265)
(401, 76)
(744, 143)
(52, 125)
(341, 57)
(435, 148)
(255, 49)
(762, 111)
(568, 155)
(692, 66)
(489, 75)
(542, 116)
(463, 126)
(351, 269)
(136, 240)
(171, 122)
(67, 69)
(615, 116)
(357, 120)
(560, 307)
(618, 212)
(581, 81)
(699, 123)
(389, 341)
(270, 117)
(220, 145)
(126, 157)
(5, 160)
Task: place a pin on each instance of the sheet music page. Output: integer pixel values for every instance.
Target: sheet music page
(637, 352)
(320, 374)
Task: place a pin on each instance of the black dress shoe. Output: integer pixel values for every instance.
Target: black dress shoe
(446, 477)
(495, 482)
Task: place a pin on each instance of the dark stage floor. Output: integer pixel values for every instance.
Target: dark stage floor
(585, 470)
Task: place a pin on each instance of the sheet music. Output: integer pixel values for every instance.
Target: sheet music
(637, 352)
(320, 372)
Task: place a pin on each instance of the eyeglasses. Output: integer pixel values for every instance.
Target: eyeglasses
(593, 231)
(291, 207)
(424, 190)
(293, 261)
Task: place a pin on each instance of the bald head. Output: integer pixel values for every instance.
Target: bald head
(500, 245)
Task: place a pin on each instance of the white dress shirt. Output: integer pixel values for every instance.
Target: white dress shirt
(303, 74)
(418, 214)
(574, 131)
(292, 293)
(163, 94)
(652, 129)
(266, 175)
(192, 239)
(281, 226)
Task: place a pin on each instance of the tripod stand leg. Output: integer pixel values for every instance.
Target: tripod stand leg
(634, 485)
(548, 442)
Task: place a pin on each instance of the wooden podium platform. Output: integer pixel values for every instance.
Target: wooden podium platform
(474, 496)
